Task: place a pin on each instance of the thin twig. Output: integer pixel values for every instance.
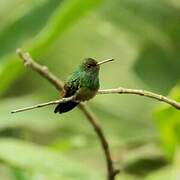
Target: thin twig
(63, 100)
(44, 72)
(119, 90)
(140, 92)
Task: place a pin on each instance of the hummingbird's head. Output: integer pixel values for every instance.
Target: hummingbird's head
(91, 65)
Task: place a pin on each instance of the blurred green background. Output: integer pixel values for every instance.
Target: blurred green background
(144, 135)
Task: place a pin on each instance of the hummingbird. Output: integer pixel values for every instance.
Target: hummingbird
(83, 83)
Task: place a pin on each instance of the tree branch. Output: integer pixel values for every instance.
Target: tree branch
(119, 90)
(93, 120)
(140, 92)
(63, 100)
(44, 72)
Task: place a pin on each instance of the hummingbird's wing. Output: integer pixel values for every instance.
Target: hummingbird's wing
(70, 88)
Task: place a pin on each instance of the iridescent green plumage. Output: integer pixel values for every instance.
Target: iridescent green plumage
(83, 83)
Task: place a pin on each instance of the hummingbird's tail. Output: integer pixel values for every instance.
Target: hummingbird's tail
(65, 107)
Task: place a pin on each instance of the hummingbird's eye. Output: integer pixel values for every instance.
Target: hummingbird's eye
(88, 66)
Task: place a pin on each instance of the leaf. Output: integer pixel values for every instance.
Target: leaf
(167, 120)
(62, 18)
(26, 27)
(166, 173)
(19, 174)
(41, 160)
(144, 21)
(153, 26)
(155, 67)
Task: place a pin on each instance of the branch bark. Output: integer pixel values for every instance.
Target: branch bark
(140, 92)
(119, 90)
(112, 172)
(41, 69)
(63, 100)
(44, 72)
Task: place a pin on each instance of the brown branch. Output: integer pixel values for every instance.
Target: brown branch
(92, 119)
(44, 72)
(140, 92)
(63, 100)
(119, 90)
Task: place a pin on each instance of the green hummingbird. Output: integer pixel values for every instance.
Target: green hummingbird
(83, 83)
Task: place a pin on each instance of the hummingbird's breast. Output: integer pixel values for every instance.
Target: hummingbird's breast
(84, 94)
(89, 86)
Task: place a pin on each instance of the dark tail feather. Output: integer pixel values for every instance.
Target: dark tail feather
(64, 107)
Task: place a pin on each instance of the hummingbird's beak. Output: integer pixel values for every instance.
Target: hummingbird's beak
(105, 61)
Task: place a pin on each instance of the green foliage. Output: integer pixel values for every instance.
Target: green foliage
(155, 25)
(143, 37)
(167, 119)
(37, 160)
(164, 174)
(167, 74)
(65, 15)
(35, 17)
